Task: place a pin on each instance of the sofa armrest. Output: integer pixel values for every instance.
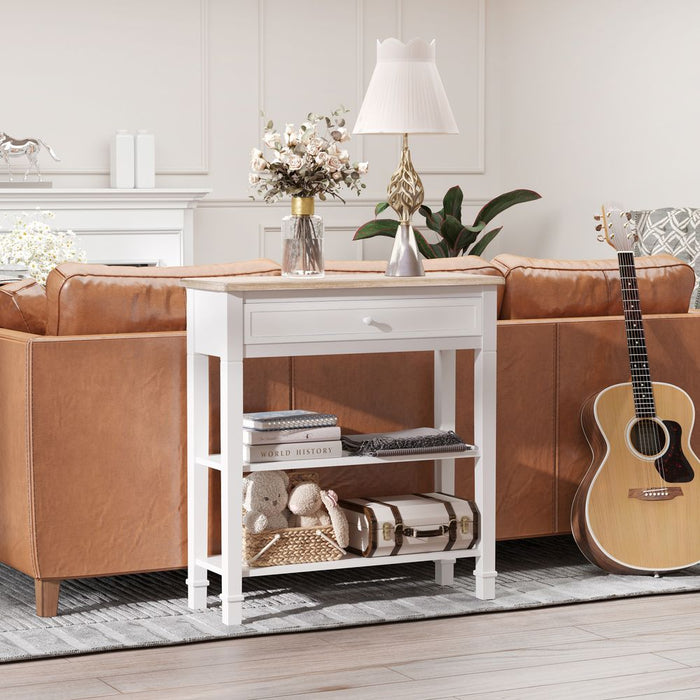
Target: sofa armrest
(16, 541)
(94, 443)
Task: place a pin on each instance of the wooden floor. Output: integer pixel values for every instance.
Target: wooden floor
(633, 648)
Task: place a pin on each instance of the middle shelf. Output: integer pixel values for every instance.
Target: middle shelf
(213, 461)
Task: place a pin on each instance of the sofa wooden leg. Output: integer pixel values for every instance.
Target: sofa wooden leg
(46, 593)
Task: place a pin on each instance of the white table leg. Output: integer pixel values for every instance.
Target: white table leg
(197, 478)
(231, 496)
(445, 572)
(485, 439)
(444, 412)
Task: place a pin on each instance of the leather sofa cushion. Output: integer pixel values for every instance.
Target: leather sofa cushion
(564, 288)
(464, 264)
(23, 307)
(91, 299)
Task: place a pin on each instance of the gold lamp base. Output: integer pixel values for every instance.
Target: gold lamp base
(405, 194)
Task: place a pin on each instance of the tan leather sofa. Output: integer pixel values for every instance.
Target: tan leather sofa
(92, 453)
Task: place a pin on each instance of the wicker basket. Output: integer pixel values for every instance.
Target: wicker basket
(290, 545)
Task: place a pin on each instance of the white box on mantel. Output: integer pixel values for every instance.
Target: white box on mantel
(121, 160)
(145, 160)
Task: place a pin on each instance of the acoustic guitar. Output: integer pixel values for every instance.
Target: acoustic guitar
(637, 509)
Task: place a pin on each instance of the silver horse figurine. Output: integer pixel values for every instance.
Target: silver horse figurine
(15, 148)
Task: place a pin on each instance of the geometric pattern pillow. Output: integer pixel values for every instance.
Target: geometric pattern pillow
(675, 231)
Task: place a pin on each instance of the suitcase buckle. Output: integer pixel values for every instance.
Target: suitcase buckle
(388, 531)
(465, 522)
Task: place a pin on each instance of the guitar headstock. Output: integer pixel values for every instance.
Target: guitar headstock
(616, 227)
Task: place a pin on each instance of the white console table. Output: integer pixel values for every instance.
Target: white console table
(237, 318)
(116, 226)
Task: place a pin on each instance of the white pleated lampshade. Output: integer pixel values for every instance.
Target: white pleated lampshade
(405, 94)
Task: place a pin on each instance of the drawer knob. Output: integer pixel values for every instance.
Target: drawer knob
(368, 320)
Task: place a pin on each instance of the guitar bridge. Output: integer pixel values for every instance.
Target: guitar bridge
(660, 493)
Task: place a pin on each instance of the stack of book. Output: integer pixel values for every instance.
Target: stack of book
(276, 436)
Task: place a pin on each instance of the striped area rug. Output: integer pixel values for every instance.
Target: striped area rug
(143, 610)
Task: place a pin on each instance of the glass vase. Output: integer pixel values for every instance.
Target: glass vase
(302, 240)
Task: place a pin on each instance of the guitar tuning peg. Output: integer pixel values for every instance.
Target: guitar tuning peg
(601, 238)
(599, 227)
(629, 215)
(597, 217)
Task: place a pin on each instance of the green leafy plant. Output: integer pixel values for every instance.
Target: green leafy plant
(455, 237)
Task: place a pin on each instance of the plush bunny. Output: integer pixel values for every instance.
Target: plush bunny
(264, 500)
(311, 506)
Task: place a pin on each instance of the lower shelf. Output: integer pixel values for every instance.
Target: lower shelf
(348, 561)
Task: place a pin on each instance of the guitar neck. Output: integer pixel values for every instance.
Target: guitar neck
(643, 394)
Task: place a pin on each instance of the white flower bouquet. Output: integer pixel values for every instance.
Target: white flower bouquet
(307, 161)
(32, 243)
(303, 163)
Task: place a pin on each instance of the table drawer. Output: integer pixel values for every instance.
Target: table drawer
(359, 319)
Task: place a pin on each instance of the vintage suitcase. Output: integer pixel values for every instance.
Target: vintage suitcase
(412, 523)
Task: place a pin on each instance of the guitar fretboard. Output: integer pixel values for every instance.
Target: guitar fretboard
(642, 391)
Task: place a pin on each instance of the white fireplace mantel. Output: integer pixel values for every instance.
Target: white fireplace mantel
(154, 226)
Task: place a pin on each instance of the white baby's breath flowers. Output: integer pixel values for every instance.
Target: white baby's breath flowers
(32, 242)
(305, 162)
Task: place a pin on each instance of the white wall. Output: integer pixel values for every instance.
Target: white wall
(592, 100)
(582, 100)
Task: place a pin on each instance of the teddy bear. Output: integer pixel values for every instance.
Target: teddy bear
(265, 500)
(311, 506)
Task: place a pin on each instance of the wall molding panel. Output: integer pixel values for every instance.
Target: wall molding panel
(469, 13)
(337, 242)
(520, 75)
(197, 73)
(119, 65)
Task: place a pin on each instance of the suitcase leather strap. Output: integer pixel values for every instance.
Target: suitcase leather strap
(475, 522)
(398, 526)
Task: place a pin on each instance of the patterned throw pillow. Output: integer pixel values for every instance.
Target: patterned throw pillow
(675, 231)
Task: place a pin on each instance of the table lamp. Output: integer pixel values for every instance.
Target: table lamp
(405, 96)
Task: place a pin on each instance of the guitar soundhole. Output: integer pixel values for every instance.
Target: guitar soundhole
(648, 437)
